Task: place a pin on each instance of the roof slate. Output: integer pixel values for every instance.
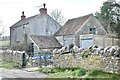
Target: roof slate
(23, 22)
(29, 19)
(72, 25)
(46, 42)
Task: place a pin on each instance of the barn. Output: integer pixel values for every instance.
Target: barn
(81, 31)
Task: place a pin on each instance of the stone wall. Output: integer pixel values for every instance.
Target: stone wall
(99, 62)
(9, 56)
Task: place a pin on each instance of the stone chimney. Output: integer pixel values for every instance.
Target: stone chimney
(43, 10)
(23, 16)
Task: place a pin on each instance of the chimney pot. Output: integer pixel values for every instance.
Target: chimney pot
(43, 10)
(23, 16)
(44, 5)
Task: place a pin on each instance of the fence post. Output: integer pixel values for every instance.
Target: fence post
(23, 60)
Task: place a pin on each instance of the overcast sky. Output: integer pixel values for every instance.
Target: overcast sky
(10, 10)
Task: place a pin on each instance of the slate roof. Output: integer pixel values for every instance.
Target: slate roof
(46, 42)
(72, 25)
(27, 20)
(23, 22)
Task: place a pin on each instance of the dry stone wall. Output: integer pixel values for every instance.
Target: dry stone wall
(9, 56)
(99, 62)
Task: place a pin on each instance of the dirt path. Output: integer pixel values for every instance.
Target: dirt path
(20, 73)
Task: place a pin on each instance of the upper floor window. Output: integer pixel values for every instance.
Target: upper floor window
(92, 30)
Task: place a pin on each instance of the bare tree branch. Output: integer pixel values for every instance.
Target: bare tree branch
(2, 31)
(57, 15)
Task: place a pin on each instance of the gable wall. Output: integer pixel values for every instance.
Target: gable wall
(40, 25)
(91, 23)
(66, 40)
(43, 25)
(17, 34)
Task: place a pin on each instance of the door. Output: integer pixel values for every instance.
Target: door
(85, 43)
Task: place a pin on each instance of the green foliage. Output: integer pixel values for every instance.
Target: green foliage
(76, 72)
(79, 72)
(109, 16)
(85, 54)
(95, 73)
(101, 74)
(70, 72)
(115, 77)
(8, 64)
(57, 69)
(45, 70)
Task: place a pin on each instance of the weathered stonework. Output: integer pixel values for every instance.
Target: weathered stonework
(99, 62)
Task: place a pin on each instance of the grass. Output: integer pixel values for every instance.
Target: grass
(76, 72)
(101, 74)
(8, 64)
(57, 69)
(4, 43)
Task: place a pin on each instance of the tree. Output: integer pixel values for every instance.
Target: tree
(2, 29)
(57, 15)
(109, 16)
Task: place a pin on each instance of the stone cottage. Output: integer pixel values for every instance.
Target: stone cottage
(40, 24)
(80, 31)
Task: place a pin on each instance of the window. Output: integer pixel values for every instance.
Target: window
(92, 30)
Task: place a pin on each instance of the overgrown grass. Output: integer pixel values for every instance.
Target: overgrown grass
(76, 72)
(8, 64)
(101, 74)
(4, 43)
(58, 69)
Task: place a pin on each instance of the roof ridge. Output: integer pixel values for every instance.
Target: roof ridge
(71, 26)
(24, 21)
(81, 16)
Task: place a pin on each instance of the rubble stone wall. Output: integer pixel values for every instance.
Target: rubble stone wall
(16, 57)
(99, 62)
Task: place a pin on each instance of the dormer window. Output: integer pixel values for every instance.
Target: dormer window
(92, 30)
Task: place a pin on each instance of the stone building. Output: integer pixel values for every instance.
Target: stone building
(80, 31)
(40, 24)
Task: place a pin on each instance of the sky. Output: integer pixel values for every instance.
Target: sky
(11, 10)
